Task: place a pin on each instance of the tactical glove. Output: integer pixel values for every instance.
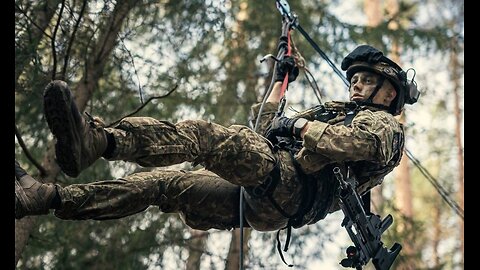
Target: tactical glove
(287, 64)
(281, 126)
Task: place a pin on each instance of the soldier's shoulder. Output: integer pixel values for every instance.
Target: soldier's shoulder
(381, 118)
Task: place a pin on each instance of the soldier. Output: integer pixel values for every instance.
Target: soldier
(289, 183)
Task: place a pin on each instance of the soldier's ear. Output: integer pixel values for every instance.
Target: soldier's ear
(392, 93)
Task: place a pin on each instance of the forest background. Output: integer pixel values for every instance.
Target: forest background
(120, 55)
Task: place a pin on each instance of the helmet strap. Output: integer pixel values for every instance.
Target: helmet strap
(375, 91)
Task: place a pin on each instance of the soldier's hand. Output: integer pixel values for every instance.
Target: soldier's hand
(287, 64)
(281, 126)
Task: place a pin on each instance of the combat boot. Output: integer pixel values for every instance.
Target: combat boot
(79, 143)
(31, 196)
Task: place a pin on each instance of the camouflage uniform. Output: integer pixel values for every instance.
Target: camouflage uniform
(237, 156)
(203, 199)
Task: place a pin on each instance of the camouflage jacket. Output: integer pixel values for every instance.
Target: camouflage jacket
(372, 145)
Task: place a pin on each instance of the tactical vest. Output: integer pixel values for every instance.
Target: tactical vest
(368, 174)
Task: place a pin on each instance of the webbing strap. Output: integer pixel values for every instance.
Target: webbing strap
(279, 244)
(349, 117)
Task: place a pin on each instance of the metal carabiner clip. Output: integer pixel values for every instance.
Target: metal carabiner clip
(284, 8)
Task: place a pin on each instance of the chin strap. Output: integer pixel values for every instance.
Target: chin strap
(380, 82)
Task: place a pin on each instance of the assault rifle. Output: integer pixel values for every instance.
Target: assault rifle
(368, 229)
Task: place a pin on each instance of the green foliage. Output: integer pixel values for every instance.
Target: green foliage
(128, 243)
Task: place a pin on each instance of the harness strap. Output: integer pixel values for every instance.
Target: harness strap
(367, 201)
(349, 117)
(279, 245)
(266, 189)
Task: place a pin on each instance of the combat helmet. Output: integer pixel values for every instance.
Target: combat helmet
(367, 58)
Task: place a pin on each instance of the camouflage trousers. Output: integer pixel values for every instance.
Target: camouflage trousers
(203, 199)
(235, 156)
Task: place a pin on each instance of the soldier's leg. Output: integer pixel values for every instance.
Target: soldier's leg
(203, 199)
(237, 153)
(99, 200)
(31, 196)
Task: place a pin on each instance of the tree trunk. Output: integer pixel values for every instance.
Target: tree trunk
(403, 188)
(403, 202)
(233, 258)
(83, 92)
(196, 248)
(374, 12)
(101, 51)
(455, 70)
(23, 227)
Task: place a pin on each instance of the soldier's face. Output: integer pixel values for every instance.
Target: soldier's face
(363, 84)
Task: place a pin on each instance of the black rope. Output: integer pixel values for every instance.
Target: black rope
(322, 54)
(242, 190)
(443, 193)
(314, 85)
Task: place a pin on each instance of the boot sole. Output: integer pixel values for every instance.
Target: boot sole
(57, 100)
